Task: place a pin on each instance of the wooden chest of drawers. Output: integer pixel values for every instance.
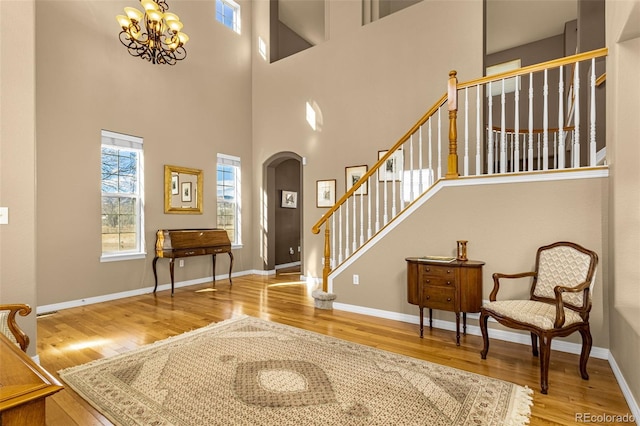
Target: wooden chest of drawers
(454, 286)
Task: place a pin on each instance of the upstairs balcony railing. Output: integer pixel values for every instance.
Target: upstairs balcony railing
(502, 132)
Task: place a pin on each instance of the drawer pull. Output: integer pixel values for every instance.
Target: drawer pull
(448, 282)
(428, 281)
(448, 271)
(428, 269)
(428, 297)
(189, 253)
(448, 299)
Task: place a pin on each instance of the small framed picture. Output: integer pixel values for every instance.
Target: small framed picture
(174, 184)
(325, 193)
(392, 167)
(353, 175)
(289, 199)
(185, 194)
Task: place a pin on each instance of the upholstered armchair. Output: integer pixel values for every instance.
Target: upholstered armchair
(559, 303)
(9, 327)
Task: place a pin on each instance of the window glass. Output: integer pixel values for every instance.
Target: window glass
(228, 196)
(121, 188)
(228, 13)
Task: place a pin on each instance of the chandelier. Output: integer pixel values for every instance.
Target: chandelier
(160, 40)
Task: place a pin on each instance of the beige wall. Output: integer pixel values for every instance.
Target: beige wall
(504, 224)
(187, 113)
(17, 158)
(623, 152)
(371, 84)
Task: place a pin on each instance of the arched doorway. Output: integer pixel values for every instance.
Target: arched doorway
(282, 218)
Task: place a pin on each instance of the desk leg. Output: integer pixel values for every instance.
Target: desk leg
(230, 267)
(430, 318)
(171, 273)
(155, 274)
(457, 328)
(421, 320)
(464, 323)
(213, 258)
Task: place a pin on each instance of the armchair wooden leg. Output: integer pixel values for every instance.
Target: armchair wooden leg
(534, 343)
(586, 350)
(545, 354)
(485, 334)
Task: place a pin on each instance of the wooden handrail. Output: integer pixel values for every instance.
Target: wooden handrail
(316, 228)
(537, 67)
(601, 79)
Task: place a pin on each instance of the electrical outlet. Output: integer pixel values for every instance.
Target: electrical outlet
(181, 263)
(290, 250)
(356, 279)
(298, 249)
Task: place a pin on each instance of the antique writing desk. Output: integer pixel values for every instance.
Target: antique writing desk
(24, 385)
(450, 286)
(176, 243)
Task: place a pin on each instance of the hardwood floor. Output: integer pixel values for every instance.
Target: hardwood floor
(78, 335)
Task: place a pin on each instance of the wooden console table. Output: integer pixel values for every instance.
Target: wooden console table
(176, 243)
(449, 286)
(24, 385)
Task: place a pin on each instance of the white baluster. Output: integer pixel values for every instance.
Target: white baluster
(385, 216)
(362, 215)
(400, 166)
(576, 117)
(369, 230)
(430, 147)
(560, 158)
(555, 150)
(516, 154)
(490, 134)
(592, 132)
(539, 153)
(530, 150)
(377, 200)
(478, 152)
(439, 145)
(393, 197)
(420, 160)
(340, 258)
(333, 241)
(466, 133)
(545, 123)
(354, 245)
(503, 135)
(346, 229)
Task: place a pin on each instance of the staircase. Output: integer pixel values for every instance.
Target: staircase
(503, 133)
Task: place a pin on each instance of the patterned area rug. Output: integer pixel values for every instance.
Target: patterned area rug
(248, 371)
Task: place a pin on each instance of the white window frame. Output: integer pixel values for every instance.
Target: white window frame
(230, 160)
(236, 21)
(127, 143)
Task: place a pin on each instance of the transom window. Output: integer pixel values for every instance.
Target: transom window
(228, 13)
(228, 197)
(122, 196)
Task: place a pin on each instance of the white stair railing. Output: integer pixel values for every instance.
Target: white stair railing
(411, 166)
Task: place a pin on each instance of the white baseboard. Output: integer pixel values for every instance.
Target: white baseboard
(508, 336)
(626, 391)
(288, 265)
(44, 309)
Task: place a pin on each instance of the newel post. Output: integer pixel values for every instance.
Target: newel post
(452, 104)
(327, 259)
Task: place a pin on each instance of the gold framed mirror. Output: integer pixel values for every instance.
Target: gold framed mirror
(182, 190)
